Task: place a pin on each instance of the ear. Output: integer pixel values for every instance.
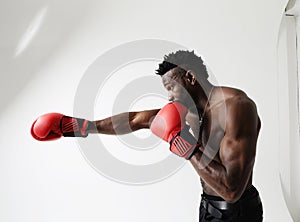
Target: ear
(191, 77)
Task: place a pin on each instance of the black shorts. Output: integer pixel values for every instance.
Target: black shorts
(247, 209)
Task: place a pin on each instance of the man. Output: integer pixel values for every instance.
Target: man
(215, 128)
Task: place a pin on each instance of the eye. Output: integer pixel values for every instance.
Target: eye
(170, 88)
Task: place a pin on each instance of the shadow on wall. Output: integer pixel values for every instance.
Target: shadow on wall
(31, 32)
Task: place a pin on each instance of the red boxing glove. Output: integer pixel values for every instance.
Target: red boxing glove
(169, 125)
(52, 126)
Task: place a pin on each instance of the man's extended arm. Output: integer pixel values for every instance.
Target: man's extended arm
(124, 123)
(52, 126)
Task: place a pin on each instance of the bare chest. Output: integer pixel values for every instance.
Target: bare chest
(210, 133)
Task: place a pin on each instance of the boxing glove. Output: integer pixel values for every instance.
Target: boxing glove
(169, 125)
(52, 126)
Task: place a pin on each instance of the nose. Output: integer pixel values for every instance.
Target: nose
(171, 97)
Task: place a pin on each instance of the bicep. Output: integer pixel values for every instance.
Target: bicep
(143, 119)
(237, 156)
(238, 147)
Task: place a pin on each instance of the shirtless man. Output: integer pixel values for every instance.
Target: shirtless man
(221, 148)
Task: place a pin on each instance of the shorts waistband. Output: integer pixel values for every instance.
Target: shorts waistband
(216, 205)
(248, 194)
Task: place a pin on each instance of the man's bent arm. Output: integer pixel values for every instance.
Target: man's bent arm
(230, 176)
(124, 123)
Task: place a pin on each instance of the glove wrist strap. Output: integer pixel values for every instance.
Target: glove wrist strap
(184, 144)
(74, 127)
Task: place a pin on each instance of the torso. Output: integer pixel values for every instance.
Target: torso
(212, 131)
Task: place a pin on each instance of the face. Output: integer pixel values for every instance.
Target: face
(175, 84)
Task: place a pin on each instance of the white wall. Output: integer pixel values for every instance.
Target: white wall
(288, 106)
(53, 182)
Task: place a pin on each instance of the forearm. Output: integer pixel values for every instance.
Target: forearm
(209, 170)
(216, 176)
(118, 124)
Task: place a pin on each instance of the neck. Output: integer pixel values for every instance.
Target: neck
(205, 91)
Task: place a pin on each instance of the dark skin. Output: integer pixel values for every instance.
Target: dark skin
(228, 135)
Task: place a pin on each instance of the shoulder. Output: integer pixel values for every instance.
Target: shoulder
(240, 105)
(237, 99)
(240, 113)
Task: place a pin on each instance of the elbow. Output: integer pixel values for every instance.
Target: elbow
(231, 197)
(135, 122)
(232, 194)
